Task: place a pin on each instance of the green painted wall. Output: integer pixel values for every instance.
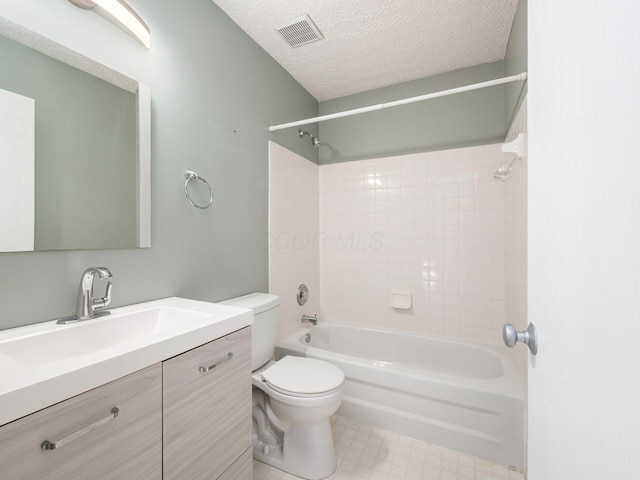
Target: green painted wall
(214, 93)
(471, 118)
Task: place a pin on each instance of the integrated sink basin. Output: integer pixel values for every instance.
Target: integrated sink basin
(45, 363)
(89, 337)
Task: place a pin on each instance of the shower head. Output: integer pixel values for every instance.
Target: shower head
(315, 141)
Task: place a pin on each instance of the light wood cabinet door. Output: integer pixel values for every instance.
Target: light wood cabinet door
(105, 447)
(242, 469)
(207, 408)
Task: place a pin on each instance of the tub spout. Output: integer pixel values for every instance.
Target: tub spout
(309, 319)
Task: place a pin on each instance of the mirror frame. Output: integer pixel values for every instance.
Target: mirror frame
(35, 41)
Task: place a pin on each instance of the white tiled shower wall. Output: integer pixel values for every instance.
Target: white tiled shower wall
(292, 236)
(431, 224)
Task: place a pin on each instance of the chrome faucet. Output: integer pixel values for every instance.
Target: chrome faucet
(87, 304)
(309, 319)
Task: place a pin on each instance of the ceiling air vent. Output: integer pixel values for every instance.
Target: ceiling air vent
(300, 31)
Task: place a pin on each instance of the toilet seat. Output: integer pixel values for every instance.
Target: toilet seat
(303, 377)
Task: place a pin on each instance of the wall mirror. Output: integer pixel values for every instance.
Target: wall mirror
(74, 149)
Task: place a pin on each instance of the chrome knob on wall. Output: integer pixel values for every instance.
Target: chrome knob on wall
(529, 337)
(302, 295)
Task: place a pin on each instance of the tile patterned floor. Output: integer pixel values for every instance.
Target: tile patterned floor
(369, 453)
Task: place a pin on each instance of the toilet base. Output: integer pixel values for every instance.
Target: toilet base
(306, 451)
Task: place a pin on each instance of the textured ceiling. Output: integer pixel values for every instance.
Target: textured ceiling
(374, 43)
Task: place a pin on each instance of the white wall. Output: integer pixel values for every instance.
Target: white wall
(431, 224)
(584, 239)
(17, 172)
(293, 234)
(515, 237)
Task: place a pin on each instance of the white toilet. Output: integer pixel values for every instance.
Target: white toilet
(293, 399)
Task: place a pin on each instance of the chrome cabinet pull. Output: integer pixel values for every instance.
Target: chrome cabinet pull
(47, 445)
(211, 367)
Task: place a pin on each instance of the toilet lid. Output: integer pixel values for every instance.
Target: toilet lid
(300, 375)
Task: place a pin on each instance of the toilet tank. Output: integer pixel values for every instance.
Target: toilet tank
(266, 319)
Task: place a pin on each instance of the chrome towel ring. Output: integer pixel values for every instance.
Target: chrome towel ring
(191, 175)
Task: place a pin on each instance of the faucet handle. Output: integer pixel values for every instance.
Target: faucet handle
(103, 272)
(106, 300)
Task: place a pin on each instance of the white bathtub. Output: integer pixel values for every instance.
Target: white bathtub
(455, 394)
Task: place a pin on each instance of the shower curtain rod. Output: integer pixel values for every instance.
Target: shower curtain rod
(420, 98)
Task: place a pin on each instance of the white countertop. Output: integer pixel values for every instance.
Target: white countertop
(28, 382)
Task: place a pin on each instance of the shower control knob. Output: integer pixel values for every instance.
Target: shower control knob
(302, 295)
(529, 337)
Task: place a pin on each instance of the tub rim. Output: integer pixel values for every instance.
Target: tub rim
(508, 384)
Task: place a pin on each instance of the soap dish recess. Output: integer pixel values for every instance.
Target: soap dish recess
(401, 300)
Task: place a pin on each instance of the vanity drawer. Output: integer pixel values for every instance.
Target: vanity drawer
(207, 408)
(111, 432)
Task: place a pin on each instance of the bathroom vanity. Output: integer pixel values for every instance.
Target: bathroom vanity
(207, 414)
(186, 415)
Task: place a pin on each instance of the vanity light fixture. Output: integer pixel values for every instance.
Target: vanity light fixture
(121, 15)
